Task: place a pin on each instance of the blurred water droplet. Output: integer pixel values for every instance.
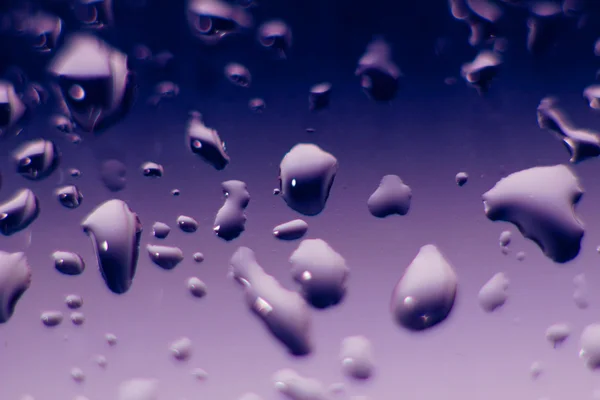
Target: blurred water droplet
(15, 279)
(493, 294)
(181, 349)
(231, 218)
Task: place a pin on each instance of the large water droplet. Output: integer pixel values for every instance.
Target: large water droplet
(18, 212)
(15, 279)
(557, 334)
(480, 72)
(540, 201)
(196, 287)
(37, 159)
(425, 294)
(284, 312)
(115, 232)
(231, 218)
(306, 174)
(113, 174)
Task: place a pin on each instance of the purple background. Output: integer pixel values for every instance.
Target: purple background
(428, 134)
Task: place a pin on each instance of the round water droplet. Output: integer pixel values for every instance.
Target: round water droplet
(181, 349)
(198, 257)
(74, 301)
(77, 375)
(111, 339)
(77, 318)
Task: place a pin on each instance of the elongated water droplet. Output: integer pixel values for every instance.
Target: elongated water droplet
(357, 357)
(15, 279)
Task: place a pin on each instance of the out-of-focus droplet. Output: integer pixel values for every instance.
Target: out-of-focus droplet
(96, 14)
(138, 389)
(12, 108)
(41, 30)
(557, 334)
(296, 387)
(115, 232)
(276, 35)
(284, 312)
(480, 72)
(111, 339)
(18, 212)
(540, 201)
(51, 318)
(212, 20)
(494, 294)
(62, 123)
(505, 238)
(77, 375)
(291, 230)
(581, 295)
(231, 218)
(356, 355)
(196, 287)
(425, 294)
(166, 257)
(392, 196)
(320, 271)
(15, 279)
(199, 374)
(181, 349)
(520, 256)
(74, 172)
(68, 263)
(306, 174)
(257, 105)
(101, 361)
(152, 169)
(461, 178)
(592, 94)
(205, 142)
(113, 175)
(319, 96)
(378, 73)
(187, 224)
(69, 196)
(545, 26)
(238, 75)
(36, 159)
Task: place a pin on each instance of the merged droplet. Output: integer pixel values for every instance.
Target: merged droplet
(306, 174)
(198, 257)
(238, 75)
(199, 374)
(37, 159)
(557, 334)
(212, 20)
(160, 230)
(187, 224)
(392, 196)
(69, 196)
(581, 143)
(378, 73)
(590, 346)
(15, 279)
(152, 169)
(319, 96)
(74, 301)
(181, 349)
(284, 312)
(18, 212)
(231, 218)
(540, 201)
(291, 230)
(196, 287)
(494, 294)
(68, 263)
(115, 232)
(138, 389)
(321, 272)
(296, 387)
(113, 174)
(357, 357)
(166, 257)
(51, 318)
(425, 294)
(480, 72)
(276, 35)
(92, 81)
(205, 142)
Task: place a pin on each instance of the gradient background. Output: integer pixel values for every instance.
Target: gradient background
(426, 135)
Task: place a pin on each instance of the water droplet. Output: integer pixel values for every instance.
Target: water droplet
(306, 175)
(493, 294)
(536, 369)
(181, 349)
(540, 201)
(276, 35)
(212, 20)
(37, 159)
(198, 257)
(106, 88)
(205, 142)
(505, 238)
(68, 263)
(101, 361)
(111, 339)
(196, 287)
(175, 192)
(580, 296)
(291, 230)
(138, 389)
(238, 75)
(160, 230)
(581, 143)
(378, 73)
(296, 387)
(231, 218)
(113, 175)
(250, 396)
(320, 271)
(392, 196)
(199, 374)
(337, 388)
(257, 105)
(557, 334)
(51, 318)
(284, 312)
(425, 294)
(62, 123)
(187, 224)
(74, 172)
(15, 279)
(592, 94)
(74, 301)
(480, 72)
(520, 256)
(461, 178)
(152, 169)
(115, 232)
(544, 26)
(319, 96)
(77, 318)
(12, 106)
(69, 196)
(357, 357)
(166, 257)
